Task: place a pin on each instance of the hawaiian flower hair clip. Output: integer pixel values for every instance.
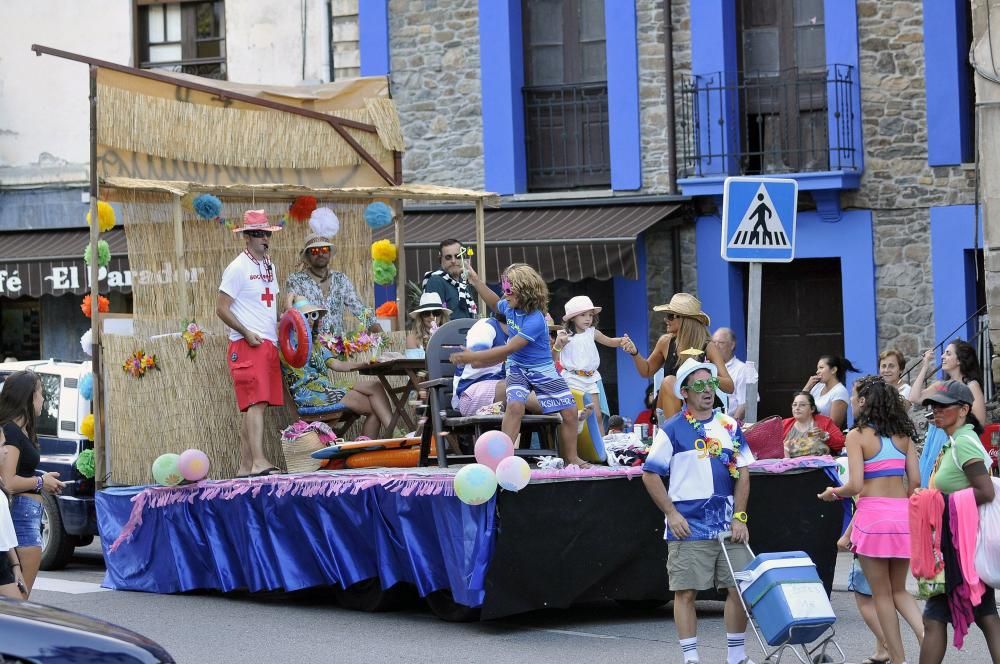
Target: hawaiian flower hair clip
(193, 336)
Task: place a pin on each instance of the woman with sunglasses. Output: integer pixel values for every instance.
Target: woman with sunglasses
(687, 330)
(961, 464)
(315, 392)
(326, 288)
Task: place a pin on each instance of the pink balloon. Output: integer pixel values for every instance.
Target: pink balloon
(493, 447)
(193, 465)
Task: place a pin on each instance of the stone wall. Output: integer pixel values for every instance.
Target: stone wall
(652, 84)
(434, 51)
(898, 185)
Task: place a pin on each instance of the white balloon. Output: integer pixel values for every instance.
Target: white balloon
(513, 473)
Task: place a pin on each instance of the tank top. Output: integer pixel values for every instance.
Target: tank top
(889, 462)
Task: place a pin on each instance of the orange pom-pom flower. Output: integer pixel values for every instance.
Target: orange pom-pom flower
(387, 310)
(87, 306)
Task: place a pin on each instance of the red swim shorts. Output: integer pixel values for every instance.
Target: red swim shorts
(256, 374)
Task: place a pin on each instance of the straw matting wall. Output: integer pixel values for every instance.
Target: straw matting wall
(147, 124)
(191, 403)
(160, 289)
(187, 403)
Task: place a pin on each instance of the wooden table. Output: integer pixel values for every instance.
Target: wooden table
(398, 396)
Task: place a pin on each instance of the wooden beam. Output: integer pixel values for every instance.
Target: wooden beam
(481, 248)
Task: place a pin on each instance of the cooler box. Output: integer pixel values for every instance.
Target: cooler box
(783, 591)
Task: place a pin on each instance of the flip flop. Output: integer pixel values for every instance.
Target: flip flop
(273, 470)
(873, 660)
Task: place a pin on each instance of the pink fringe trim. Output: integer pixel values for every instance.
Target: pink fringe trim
(431, 482)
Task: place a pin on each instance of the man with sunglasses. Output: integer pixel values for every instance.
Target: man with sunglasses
(326, 288)
(248, 303)
(447, 281)
(704, 456)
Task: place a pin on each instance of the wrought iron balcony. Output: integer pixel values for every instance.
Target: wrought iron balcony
(756, 123)
(566, 127)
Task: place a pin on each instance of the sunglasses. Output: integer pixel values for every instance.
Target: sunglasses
(449, 257)
(671, 316)
(258, 234)
(945, 406)
(312, 316)
(700, 386)
(506, 286)
(319, 251)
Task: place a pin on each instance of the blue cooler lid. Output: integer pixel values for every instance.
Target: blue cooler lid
(778, 555)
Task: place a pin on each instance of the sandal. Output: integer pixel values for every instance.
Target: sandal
(873, 660)
(273, 470)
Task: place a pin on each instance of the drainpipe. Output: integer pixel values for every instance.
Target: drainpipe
(668, 48)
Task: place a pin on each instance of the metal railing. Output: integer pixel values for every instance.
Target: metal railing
(786, 122)
(566, 130)
(980, 340)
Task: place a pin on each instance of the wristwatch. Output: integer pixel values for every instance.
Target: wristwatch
(740, 516)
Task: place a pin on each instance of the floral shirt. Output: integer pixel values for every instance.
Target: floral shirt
(342, 294)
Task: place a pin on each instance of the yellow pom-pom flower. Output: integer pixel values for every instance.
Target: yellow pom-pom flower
(105, 216)
(87, 427)
(383, 250)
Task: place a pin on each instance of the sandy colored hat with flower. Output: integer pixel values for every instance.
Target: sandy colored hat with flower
(685, 305)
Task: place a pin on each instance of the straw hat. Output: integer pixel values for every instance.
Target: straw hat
(316, 240)
(305, 306)
(256, 220)
(578, 305)
(429, 302)
(686, 305)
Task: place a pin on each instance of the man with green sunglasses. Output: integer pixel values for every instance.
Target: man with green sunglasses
(703, 456)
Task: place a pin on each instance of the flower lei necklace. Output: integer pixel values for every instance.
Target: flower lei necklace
(713, 446)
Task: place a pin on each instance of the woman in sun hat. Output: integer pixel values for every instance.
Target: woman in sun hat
(315, 392)
(687, 335)
(328, 288)
(427, 318)
(577, 343)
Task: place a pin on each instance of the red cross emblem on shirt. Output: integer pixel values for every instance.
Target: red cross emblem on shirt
(267, 297)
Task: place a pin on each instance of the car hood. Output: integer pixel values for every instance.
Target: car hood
(67, 619)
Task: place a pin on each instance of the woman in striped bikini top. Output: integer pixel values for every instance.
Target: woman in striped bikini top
(888, 462)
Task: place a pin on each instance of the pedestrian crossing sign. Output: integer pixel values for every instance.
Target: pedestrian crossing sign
(758, 219)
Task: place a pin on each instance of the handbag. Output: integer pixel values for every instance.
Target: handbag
(764, 438)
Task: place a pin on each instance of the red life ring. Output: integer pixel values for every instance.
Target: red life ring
(294, 338)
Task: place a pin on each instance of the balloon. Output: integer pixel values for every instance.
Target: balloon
(493, 447)
(513, 473)
(193, 465)
(165, 470)
(475, 484)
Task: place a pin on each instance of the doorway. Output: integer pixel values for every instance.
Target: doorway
(802, 317)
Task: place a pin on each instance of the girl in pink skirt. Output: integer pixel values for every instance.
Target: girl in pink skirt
(884, 470)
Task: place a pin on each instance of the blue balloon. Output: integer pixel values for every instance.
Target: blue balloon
(86, 386)
(378, 214)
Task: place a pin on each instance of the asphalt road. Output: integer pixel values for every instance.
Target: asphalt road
(223, 629)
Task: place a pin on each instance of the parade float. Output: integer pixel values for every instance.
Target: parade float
(181, 158)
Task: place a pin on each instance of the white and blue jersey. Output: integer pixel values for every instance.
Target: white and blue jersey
(700, 486)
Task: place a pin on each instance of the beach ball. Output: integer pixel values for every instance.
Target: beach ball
(165, 470)
(513, 473)
(493, 447)
(475, 484)
(193, 465)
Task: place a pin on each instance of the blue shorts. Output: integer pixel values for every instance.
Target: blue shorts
(550, 388)
(857, 581)
(27, 515)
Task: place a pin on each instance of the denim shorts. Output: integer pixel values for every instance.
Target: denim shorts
(857, 581)
(27, 515)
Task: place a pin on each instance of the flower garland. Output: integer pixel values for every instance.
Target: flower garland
(193, 336)
(347, 346)
(713, 446)
(138, 363)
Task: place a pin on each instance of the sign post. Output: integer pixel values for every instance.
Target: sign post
(758, 226)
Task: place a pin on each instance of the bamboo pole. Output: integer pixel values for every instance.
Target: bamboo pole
(481, 247)
(97, 401)
(401, 266)
(179, 257)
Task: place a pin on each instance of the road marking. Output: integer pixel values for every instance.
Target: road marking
(69, 587)
(570, 632)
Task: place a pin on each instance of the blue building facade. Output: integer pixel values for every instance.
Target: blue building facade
(866, 104)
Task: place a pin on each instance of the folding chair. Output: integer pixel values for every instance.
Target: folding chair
(443, 419)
